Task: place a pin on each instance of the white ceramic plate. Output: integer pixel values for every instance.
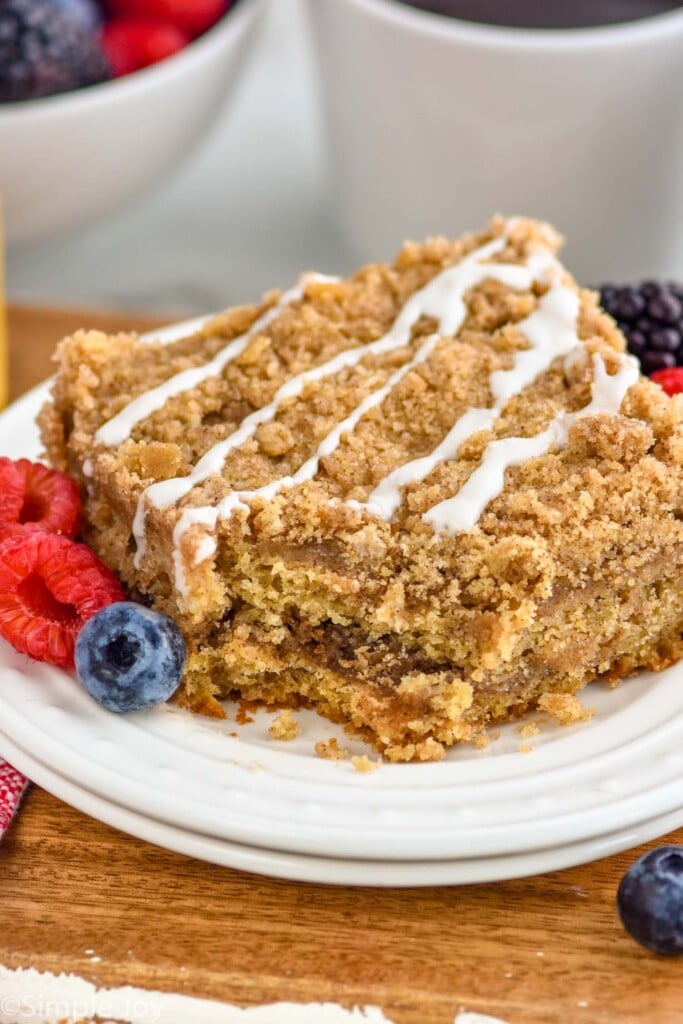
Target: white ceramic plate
(580, 783)
(330, 870)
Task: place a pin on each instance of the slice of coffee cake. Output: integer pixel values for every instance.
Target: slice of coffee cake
(418, 500)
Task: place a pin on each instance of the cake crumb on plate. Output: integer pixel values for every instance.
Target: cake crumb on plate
(330, 750)
(365, 764)
(284, 726)
(527, 730)
(565, 708)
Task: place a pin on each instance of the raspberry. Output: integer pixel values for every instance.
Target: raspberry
(49, 588)
(12, 492)
(651, 316)
(134, 43)
(671, 380)
(192, 16)
(32, 496)
(46, 48)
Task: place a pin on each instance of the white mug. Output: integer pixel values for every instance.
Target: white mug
(435, 124)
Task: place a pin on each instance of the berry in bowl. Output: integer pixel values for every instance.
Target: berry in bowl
(100, 100)
(49, 46)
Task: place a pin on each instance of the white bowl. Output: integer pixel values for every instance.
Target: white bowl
(73, 158)
(435, 124)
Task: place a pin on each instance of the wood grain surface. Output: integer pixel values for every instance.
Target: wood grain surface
(535, 951)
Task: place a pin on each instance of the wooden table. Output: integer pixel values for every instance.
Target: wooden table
(546, 949)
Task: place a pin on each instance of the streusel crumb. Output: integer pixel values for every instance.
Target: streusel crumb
(284, 726)
(565, 708)
(528, 730)
(365, 764)
(330, 750)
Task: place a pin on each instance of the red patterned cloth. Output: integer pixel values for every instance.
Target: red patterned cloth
(12, 786)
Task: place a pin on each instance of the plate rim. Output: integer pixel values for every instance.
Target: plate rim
(460, 840)
(300, 867)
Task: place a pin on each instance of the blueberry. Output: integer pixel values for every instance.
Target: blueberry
(129, 657)
(650, 900)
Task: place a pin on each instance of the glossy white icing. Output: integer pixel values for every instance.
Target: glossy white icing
(240, 499)
(441, 298)
(116, 430)
(464, 509)
(551, 332)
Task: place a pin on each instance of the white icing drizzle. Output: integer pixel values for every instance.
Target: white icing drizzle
(442, 298)
(463, 511)
(386, 497)
(550, 331)
(209, 516)
(118, 429)
(609, 390)
(205, 550)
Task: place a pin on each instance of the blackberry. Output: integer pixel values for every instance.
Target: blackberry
(651, 317)
(46, 48)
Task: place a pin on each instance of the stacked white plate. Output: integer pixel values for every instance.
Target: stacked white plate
(230, 794)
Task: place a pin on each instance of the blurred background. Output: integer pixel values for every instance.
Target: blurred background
(245, 213)
(430, 124)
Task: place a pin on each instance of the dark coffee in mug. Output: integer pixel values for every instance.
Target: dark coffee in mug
(547, 13)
